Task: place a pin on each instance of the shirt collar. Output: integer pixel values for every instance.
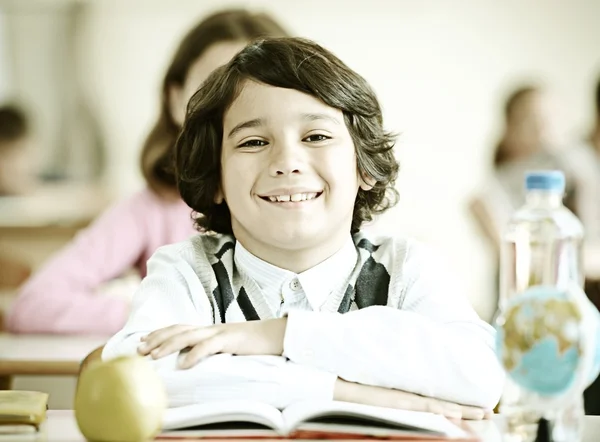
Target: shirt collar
(317, 282)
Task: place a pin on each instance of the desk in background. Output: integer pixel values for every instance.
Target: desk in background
(34, 227)
(26, 355)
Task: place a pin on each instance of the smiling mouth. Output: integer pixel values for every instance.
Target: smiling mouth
(294, 198)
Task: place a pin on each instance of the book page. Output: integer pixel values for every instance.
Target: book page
(363, 419)
(234, 413)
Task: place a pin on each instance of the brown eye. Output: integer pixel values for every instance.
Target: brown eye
(254, 143)
(316, 138)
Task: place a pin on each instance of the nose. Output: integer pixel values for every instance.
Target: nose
(285, 159)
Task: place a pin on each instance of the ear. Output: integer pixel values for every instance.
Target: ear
(367, 182)
(176, 105)
(219, 197)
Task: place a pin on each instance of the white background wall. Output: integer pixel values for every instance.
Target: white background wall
(439, 67)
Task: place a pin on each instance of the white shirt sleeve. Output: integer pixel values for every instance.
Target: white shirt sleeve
(435, 345)
(173, 294)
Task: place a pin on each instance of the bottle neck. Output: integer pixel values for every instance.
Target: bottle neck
(550, 199)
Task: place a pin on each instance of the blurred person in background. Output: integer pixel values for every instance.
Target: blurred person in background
(525, 144)
(17, 178)
(17, 171)
(584, 157)
(64, 296)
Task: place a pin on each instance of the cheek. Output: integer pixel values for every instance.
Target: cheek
(341, 169)
(237, 177)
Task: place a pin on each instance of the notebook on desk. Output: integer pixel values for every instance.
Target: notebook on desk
(22, 412)
(307, 420)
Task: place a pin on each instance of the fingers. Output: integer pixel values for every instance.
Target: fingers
(207, 347)
(410, 401)
(157, 337)
(447, 409)
(185, 339)
(473, 413)
(172, 339)
(402, 400)
(456, 411)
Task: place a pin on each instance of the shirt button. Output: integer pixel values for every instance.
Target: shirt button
(295, 285)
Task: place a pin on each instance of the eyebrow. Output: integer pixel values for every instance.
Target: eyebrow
(257, 122)
(245, 125)
(313, 117)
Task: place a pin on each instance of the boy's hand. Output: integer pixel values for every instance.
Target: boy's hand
(385, 397)
(240, 338)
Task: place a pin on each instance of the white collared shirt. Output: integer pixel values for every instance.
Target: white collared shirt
(381, 311)
(286, 290)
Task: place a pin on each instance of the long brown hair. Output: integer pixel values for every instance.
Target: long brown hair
(513, 100)
(227, 25)
(277, 62)
(598, 98)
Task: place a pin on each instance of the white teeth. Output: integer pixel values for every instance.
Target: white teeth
(296, 197)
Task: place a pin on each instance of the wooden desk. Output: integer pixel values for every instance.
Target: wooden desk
(35, 226)
(63, 205)
(62, 427)
(43, 355)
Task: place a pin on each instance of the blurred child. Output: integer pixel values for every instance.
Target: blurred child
(585, 159)
(284, 152)
(17, 171)
(63, 296)
(524, 145)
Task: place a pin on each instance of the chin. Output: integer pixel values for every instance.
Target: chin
(294, 239)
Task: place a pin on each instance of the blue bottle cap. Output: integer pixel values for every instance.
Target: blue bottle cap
(552, 180)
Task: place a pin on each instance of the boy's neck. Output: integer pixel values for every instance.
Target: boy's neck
(298, 260)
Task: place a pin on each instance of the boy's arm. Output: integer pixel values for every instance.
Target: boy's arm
(436, 345)
(173, 294)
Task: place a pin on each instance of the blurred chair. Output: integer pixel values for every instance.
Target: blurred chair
(13, 273)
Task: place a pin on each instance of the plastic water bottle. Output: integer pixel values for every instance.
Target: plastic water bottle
(542, 246)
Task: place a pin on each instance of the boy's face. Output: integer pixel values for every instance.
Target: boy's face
(289, 173)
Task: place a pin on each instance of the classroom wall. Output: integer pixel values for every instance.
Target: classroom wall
(440, 69)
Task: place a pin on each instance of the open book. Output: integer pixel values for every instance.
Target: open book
(306, 420)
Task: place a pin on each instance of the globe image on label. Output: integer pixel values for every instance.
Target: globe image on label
(540, 342)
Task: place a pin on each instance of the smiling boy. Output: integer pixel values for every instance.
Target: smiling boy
(284, 155)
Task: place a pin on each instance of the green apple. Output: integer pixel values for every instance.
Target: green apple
(120, 400)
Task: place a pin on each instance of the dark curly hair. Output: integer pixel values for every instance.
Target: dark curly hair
(291, 63)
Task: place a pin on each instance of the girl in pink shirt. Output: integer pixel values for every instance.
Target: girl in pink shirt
(62, 296)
